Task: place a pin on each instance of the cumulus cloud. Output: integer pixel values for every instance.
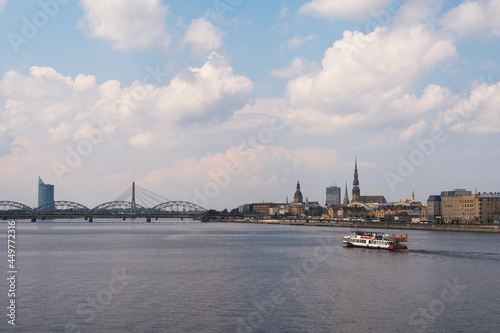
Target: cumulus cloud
(206, 94)
(434, 97)
(477, 113)
(362, 75)
(348, 9)
(297, 67)
(132, 24)
(45, 106)
(474, 17)
(204, 37)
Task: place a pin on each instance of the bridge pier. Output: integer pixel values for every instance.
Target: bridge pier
(33, 219)
(148, 219)
(91, 219)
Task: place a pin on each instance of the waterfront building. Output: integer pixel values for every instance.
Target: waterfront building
(264, 208)
(434, 210)
(245, 209)
(496, 217)
(486, 206)
(345, 213)
(423, 213)
(284, 209)
(407, 217)
(333, 195)
(458, 205)
(46, 196)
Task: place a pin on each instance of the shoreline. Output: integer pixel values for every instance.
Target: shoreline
(432, 227)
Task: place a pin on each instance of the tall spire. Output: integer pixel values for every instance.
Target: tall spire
(355, 183)
(412, 195)
(346, 195)
(298, 195)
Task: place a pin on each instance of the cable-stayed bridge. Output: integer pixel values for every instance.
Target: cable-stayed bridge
(132, 203)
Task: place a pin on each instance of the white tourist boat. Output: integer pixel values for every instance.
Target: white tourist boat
(375, 240)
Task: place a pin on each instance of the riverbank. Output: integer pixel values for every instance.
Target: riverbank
(373, 225)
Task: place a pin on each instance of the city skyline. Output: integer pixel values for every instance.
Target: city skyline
(235, 102)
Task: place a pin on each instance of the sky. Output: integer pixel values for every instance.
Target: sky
(226, 102)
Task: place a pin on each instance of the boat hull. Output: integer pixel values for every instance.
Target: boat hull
(377, 247)
(371, 240)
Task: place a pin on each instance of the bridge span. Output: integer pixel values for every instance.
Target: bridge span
(112, 209)
(120, 208)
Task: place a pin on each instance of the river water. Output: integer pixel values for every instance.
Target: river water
(185, 276)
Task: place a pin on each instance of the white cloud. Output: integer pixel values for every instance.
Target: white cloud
(222, 178)
(477, 113)
(298, 40)
(414, 12)
(132, 24)
(474, 17)
(362, 75)
(200, 95)
(204, 37)
(297, 67)
(349, 9)
(2, 4)
(413, 131)
(45, 110)
(433, 97)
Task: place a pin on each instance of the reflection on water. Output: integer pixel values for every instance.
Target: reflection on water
(185, 276)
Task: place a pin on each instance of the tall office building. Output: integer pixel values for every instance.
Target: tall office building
(45, 195)
(332, 195)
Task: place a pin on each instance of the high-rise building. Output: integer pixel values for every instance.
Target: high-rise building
(434, 211)
(45, 195)
(333, 195)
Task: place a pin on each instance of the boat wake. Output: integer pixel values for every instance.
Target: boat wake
(460, 254)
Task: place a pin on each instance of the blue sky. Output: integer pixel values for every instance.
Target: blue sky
(234, 108)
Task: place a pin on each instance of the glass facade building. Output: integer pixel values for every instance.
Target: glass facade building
(333, 195)
(46, 196)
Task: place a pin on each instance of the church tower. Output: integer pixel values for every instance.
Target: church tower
(355, 183)
(298, 195)
(346, 195)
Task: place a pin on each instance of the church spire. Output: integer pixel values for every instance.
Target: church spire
(346, 195)
(355, 183)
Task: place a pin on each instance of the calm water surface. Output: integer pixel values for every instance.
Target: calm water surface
(184, 276)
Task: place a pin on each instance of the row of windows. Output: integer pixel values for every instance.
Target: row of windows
(363, 241)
